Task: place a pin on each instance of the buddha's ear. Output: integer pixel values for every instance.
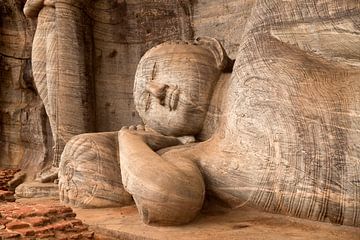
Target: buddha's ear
(223, 62)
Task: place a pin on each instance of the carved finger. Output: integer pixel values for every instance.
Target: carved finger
(148, 129)
(132, 128)
(124, 127)
(140, 127)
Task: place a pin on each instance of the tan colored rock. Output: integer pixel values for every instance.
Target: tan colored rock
(287, 136)
(60, 69)
(90, 174)
(92, 61)
(166, 100)
(24, 141)
(281, 133)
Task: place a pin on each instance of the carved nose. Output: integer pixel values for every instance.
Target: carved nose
(158, 90)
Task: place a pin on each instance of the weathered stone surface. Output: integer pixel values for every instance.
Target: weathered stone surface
(280, 133)
(161, 87)
(223, 20)
(35, 189)
(121, 36)
(214, 222)
(290, 132)
(85, 52)
(173, 86)
(90, 173)
(287, 132)
(121, 33)
(23, 123)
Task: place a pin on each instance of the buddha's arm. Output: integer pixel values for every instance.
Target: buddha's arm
(33, 7)
(161, 188)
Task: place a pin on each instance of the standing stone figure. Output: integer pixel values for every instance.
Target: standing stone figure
(61, 76)
(44, 66)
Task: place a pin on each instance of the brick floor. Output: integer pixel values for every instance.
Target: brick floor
(36, 220)
(40, 221)
(6, 174)
(6, 194)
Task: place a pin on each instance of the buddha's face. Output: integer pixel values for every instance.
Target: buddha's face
(173, 88)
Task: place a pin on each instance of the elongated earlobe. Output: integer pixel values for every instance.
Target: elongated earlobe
(223, 62)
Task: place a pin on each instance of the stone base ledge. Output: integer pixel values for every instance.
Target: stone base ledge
(37, 190)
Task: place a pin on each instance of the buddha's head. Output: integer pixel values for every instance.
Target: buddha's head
(32, 8)
(174, 83)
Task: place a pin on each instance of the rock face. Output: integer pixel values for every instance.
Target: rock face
(23, 123)
(84, 56)
(121, 36)
(223, 20)
(287, 132)
(291, 131)
(282, 132)
(118, 34)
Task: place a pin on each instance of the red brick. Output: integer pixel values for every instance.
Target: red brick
(76, 222)
(64, 209)
(26, 232)
(88, 235)
(7, 235)
(45, 229)
(21, 213)
(37, 221)
(68, 215)
(45, 235)
(78, 228)
(17, 225)
(61, 236)
(4, 221)
(44, 211)
(10, 199)
(8, 207)
(76, 236)
(6, 193)
(62, 225)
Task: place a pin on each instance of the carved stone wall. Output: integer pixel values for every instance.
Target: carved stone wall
(290, 135)
(121, 36)
(224, 20)
(121, 33)
(23, 123)
(291, 129)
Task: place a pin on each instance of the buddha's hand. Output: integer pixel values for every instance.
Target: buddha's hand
(152, 138)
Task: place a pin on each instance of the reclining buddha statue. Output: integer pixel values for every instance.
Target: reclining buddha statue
(280, 134)
(174, 84)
